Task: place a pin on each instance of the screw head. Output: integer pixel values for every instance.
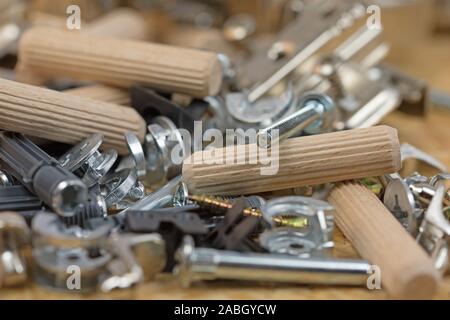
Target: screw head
(264, 139)
(183, 256)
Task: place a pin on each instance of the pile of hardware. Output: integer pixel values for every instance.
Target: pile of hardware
(90, 180)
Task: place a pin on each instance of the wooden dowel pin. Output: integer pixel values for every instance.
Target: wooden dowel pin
(300, 161)
(121, 23)
(406, 270)
(64, 117)
(53, 53)
(102, 93)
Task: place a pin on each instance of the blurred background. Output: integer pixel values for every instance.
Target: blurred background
(415, 37)
(234, 26)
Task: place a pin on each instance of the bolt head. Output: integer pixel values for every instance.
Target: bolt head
(264, 140)
(328, 110)
(183, 256)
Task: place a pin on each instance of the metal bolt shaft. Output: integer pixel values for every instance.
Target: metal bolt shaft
(313, 115)
(209, 264)
(158, 199)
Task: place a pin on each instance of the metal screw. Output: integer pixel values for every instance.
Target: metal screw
(221, 205)
(373, 184)
(319, 214)
(315, 114)
(209, 264)
(158, 199)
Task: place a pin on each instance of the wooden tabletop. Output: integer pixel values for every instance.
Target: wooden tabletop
(432, 134)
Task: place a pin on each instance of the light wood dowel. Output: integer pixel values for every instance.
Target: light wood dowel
(102, 93)
(89, 9)
(207, 39)
(119, 62)
(302, 161)
(65, 118)
(121, 23)
(406, 270)
(110, 24)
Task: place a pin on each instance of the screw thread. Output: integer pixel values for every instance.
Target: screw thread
(214, 203)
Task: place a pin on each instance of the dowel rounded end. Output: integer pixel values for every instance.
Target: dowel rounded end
(187, 173)
(142, 128)
(392, 134)
(111, 24)
(28, 36)
(24, 75)
(215, 77)
(420, 282)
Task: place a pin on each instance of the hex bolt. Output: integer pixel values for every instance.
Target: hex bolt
(315, 114)
(209, 264)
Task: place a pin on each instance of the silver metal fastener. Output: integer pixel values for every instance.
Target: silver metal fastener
(315, 114)
(209, 264)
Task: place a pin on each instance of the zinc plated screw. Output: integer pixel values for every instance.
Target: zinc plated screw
(209, 202)
(315, 114)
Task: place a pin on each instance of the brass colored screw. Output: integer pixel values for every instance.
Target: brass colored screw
(290, 221)
(209, 202)
(373, 184)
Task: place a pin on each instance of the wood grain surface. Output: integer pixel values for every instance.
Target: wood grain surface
(407, 272)
(301, 161)
(52, 53)
(428, 60)
(102, 93)
(65, 118)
